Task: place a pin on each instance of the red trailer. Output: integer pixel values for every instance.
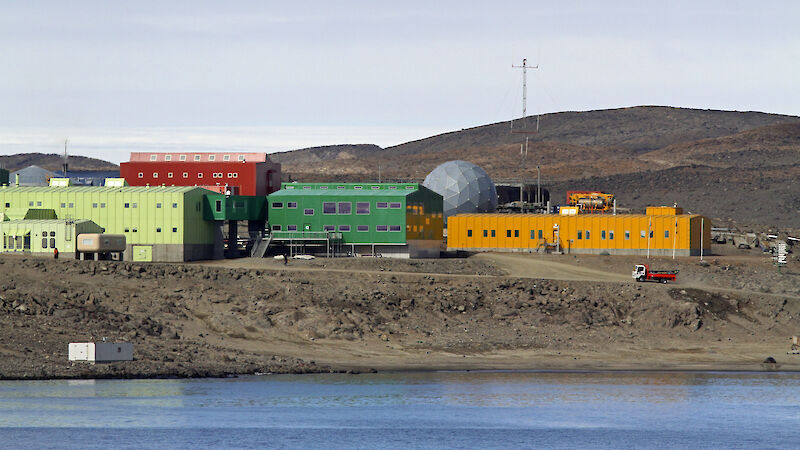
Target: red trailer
(642, 272)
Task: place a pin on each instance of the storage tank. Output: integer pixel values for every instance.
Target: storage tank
(101, 243)
(465, 187)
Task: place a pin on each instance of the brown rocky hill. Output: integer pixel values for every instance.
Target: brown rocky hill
(734, 166)
(53, 162)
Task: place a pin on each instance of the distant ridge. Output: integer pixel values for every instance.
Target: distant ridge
(53, 162)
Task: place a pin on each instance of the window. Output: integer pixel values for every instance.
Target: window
(540, 234)
(291, 205)
(135, 230)
(158, 229)
(580, 234)
(666, 233)
(627, 235)
(141, 175)
(344, 227)
(362, 228)
(651, 233)
(169, 174)
(516, 233)
(323, 187)
(127, 230)
(174, 205)
(345, 208)
(38, 203)
(211, 157)
(395, 205)
(469, 233)
(382, 205)
(409, 187)
(199, 174)
(277, 205)
(508, 233)
(185, 174)
(642, 234)
(485, 233)
(127, 205)
(94, 205)
(52, 241)
(133, 205)
(64, 205)
(155, 174)
(493, 233)
(291, 227)
(276, 228)
(30, 203)
(358, 187)
(102, 205)
(587, 234)
(44, 242)
(603, 234)
(167, 157)
(329, 228)
(375, 188)
(153, 157)
(52, 234)
(218, 205)
(226, 157)
(182, 158)
(362, 207)
(392, 187)
(306, 187)
(328, 207)
(339, 187)
(158, 205)
(611, 235)
(533, 234)
(174, 229)
(381, 228)
(241, 158)
(308, 212)
(197, 157)
(394, 227)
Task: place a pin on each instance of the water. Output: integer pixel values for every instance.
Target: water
(420, 410)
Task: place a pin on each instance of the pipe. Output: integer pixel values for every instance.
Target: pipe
(16, 180)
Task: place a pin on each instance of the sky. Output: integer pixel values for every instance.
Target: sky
(115, 77)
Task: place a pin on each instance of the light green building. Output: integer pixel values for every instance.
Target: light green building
(160, 223)
(41, 237)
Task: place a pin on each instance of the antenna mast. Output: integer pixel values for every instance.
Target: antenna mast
(525, 68)
(65, 158)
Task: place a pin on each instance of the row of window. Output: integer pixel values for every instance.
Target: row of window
(199, 175)
(358, 188)
(341, 208)
(391, 228)
(158, 230)
(535, 233)
(196, 157)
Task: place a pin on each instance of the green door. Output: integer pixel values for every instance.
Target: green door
(143, 253)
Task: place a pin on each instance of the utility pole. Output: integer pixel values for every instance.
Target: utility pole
(65, 158)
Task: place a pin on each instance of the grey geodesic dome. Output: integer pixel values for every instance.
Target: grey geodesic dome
(466, 188)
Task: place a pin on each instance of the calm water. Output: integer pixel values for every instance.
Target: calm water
(422, 410)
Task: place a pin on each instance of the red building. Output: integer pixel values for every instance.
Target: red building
(237, 173)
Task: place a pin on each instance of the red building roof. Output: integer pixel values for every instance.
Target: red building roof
(198, 157)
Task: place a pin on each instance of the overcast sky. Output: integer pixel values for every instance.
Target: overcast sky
(143, 73)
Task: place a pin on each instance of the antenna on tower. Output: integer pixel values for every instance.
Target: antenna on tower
(525, 68)
(64, 162)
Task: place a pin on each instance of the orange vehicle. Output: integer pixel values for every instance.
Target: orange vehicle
(590, 201)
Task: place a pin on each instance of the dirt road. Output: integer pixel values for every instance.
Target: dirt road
(526, 266)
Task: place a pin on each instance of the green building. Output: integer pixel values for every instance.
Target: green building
(160, 223)
(3, 176)
(390, 219)
(41, 237)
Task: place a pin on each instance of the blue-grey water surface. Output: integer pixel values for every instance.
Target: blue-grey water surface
(417, 410)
